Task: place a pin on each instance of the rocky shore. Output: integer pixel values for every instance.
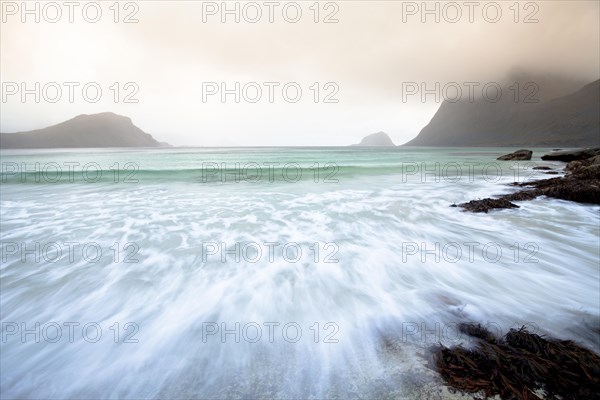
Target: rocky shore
(580, 184)
(523, 365)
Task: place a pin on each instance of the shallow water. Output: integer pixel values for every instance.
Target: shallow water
(338, 288)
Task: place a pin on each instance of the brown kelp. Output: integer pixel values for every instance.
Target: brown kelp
(521, 365)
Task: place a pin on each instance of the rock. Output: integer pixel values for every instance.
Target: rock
(485, 205)
(520, 155)
(572, 155)
(523, 195)
(581, 184)
(586, 173)
(551, 173)
(577, 164)
(580, 191)
(574, 165)
(543, 168)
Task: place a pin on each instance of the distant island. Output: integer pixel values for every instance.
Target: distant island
(571, 120)
(84, 131)
(376, 139)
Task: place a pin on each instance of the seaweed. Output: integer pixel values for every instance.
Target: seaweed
(521, 365)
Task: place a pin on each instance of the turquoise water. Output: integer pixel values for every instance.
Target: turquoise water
(162, 252)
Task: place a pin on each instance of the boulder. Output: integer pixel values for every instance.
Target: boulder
(572, 155)
(485, 205)
(519, 155)
(577, 164)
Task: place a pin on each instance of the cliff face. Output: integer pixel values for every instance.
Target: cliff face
(567, 121)
(96, 130)
(376, 139)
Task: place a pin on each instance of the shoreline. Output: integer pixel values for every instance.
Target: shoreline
(581, 183)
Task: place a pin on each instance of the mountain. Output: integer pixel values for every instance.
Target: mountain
(95, 130)
(376, 139)
(571, 120)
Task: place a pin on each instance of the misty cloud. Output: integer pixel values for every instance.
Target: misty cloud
(369, 54)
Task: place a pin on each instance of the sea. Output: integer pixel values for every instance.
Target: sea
(282, 272)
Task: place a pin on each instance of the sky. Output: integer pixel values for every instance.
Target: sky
(304, 73)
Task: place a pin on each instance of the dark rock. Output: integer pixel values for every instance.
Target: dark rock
(543, 168)
(485, 205)
(540, 184)
(577, 164)
(581, 185)
(586, 172)
(572, 155)
(523, 195)
(552, 173)
(519, 155)
(574, 165)
(575, 190)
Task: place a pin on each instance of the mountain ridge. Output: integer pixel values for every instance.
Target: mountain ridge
(571, 120)
(105, 129)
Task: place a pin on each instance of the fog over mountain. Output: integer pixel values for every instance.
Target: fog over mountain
(571, 120)
(366, 56)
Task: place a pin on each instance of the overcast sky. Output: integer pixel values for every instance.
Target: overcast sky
(364, 60)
